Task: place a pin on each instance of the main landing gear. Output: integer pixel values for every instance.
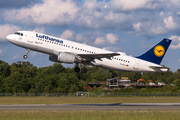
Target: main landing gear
(25, 56)
(77, 69)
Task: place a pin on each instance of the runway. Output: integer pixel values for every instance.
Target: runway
(114, 106)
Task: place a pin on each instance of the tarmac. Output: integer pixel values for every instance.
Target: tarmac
(114, 106)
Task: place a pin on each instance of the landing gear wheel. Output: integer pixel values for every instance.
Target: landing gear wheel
(84, 70)
(76, 69)
(24, 56)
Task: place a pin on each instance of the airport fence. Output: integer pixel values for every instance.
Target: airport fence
(90, 94)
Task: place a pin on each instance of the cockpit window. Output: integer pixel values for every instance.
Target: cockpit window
(18, 33)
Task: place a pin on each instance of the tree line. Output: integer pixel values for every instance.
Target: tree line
(24, 77)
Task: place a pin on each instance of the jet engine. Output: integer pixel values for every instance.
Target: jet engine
(64, 58)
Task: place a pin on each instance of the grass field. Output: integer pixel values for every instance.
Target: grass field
(85, 100)
(89, 115)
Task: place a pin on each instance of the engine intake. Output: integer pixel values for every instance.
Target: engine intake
(64, 58)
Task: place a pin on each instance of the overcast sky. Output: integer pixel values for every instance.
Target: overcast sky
(130, 26)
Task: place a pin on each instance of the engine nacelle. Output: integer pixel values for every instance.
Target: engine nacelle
(64, 58)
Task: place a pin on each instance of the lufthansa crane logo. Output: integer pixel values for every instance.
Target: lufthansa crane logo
(159, 50)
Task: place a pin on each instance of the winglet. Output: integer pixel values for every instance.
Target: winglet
(156, 53)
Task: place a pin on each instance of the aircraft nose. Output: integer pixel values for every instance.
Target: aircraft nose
(9, 38)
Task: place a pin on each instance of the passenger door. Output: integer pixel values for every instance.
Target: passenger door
(31, 37)
(136, 64)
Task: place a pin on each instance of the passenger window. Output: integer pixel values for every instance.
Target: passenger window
(21, 34)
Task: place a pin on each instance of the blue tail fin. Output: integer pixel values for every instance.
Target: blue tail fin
(156, 53)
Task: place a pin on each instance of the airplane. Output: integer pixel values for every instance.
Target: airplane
(65, 51)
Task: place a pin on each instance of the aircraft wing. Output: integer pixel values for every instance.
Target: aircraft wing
(91, 57)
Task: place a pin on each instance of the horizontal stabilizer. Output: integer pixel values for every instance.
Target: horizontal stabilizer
(159, 67)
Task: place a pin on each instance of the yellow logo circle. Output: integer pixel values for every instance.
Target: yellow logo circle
(159, 50)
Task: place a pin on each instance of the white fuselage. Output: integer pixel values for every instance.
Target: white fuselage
(31, 40)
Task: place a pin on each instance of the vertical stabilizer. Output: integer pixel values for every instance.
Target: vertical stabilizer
(156, 53)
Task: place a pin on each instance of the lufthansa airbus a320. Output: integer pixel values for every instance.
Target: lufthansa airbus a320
(65, 51)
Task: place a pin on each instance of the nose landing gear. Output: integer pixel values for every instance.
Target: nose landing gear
(25, 56)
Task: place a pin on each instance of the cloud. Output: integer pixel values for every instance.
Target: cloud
(169, 22)
(18, 3)
(106, 39)
(16, 57)
(68, 34)
(175, 42)
(133, 4)
(111, 38)
(140, 17)
(34, 54)
(50, 12)
(137, 26)
(99, 41)
(40, 29)
(91, 38)
(175, 2)
(7, 29)
(0, 52)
